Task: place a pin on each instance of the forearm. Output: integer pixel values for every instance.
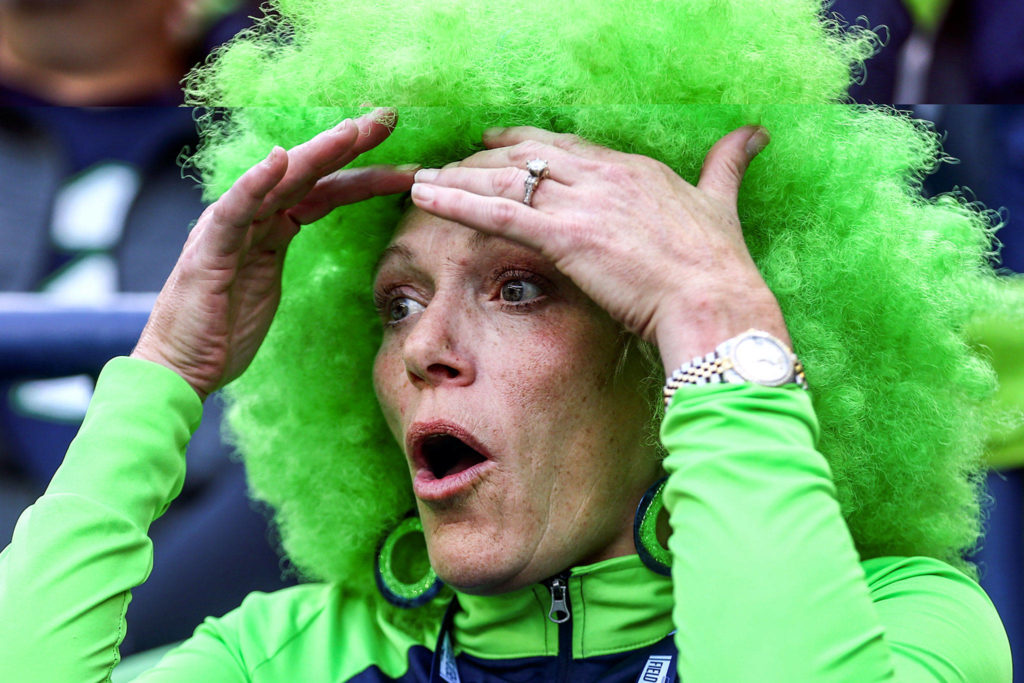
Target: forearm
(76, 553)
(768, 585)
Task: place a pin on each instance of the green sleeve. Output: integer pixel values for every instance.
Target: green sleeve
(767, 583)
(77, 552)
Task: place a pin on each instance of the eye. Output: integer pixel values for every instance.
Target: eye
(401, 308)
(515, 291)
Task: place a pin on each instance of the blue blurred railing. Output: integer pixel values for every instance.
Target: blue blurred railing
(41, 336)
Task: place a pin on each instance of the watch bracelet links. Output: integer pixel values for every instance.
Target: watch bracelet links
(709, 369)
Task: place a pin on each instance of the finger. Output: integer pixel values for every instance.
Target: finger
(277, 233)
(491, 215)
(374, 128)
(350, 186)
(508, 182)
(727, 162)
(564, 167)
(232, 214)
(326, 153)
(507, 137)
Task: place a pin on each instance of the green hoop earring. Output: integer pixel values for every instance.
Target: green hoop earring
(396, 561)
(655, 556)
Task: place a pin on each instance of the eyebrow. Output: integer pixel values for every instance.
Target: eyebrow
(476, 242)
(479, 239)
(393, 251)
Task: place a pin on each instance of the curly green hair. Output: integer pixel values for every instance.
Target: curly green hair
(876, 282)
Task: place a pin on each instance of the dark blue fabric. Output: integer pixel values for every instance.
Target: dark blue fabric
(136, 135)
(625, 667)
(998, 50)
(1008, 180)
(978, 55)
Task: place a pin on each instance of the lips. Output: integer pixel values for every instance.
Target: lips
(448, 459)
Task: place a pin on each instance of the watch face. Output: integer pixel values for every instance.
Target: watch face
(762, 360)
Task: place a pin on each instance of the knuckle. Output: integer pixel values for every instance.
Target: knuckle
(245, 189)
(571, 142)
(522, 152)
(618, 174)
(730, 171)
(503, 214)
(506, 181)
(217, 213)
(646, 163)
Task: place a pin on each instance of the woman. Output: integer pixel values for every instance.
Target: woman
(517, 304)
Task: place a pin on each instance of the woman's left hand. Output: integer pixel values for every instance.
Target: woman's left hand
(665, 258)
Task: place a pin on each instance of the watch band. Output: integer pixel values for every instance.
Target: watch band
(719, 367)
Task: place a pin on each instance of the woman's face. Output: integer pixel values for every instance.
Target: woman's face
(497, 375)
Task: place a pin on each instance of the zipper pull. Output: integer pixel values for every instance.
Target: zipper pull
(559, 612)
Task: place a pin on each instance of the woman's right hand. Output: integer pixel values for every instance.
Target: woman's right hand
(217, 305)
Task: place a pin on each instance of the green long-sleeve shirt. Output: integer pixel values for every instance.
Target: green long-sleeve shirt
(766, 584)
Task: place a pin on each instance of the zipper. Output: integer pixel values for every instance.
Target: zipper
(561, 614)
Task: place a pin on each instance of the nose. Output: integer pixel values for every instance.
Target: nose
(434, 351)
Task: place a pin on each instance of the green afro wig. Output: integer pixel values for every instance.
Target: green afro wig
(876, 282)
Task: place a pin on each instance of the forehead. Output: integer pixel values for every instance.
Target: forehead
(420, 235)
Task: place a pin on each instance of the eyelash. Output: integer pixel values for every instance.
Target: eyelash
(505, 276)
(384, 298)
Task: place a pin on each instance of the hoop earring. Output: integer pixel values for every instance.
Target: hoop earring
(399, 590)
(645, 531)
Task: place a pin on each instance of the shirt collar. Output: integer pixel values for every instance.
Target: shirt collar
(615, 605)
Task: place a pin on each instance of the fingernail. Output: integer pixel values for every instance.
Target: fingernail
(382, 115)
(494, 132)
(426, 175)
(342, 126)
(423, 193)
(407, 168)
(757, 141)
(451, 165)
(269, 161)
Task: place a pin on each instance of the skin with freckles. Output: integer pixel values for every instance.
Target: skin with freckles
(504, 326)
(485, 333)
(665, 258)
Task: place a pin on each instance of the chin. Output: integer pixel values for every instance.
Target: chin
(475, 562)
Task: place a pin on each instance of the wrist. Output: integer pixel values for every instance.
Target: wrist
(144, 352)
(697, 330)
(752, 357)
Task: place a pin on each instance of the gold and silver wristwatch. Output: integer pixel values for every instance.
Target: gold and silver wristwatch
(754, 357)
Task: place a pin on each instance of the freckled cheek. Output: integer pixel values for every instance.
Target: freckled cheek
(388, 379)
(553, 368)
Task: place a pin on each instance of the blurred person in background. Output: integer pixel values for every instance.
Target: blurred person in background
(100, 52)
(941, 51)
(95, 203)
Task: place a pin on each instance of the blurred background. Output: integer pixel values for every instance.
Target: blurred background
(93, 213)
(94, 209)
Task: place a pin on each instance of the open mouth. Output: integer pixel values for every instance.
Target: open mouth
(445, 455)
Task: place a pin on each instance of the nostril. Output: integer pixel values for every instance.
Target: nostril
(442, 370)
